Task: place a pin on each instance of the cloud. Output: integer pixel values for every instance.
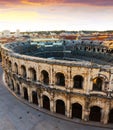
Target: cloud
(83, 2)
(9, 3)
(4, 4)
(91, 2)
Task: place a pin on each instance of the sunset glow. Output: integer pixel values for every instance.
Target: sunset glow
(35, 15)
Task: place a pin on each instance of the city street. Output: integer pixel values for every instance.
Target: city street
(15, 115)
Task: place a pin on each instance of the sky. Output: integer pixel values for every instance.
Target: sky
(45, 15)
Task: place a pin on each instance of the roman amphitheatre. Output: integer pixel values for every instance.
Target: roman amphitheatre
(68, 78)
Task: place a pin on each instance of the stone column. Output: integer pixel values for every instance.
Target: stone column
(89, 83)
(85, 82)
(15, 87)
(37, 74)
(68, 77)
(51, 77)
(105, 116)
(21, 92)
(28, 74)
(86, 110)
(30, 94)
(27, 71)
(52, 102)
(68, 108)
(52, 105)
(41, 100)
(85, 114)
(105, 113)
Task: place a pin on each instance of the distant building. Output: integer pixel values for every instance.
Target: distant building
(17, 33)
(6, 33)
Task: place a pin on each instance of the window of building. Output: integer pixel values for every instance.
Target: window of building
(60, 79)
(78, 82)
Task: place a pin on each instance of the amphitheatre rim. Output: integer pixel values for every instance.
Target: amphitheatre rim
(74, 60)
(14, 55)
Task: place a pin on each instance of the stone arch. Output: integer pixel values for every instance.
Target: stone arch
(60, 79)
(110, 120)
(100, 82)
(77, 110)
(15, 68)
(97, 84)
(94, 49)
(34, 97)
(78, 82)
(60, 106)
(32, 74)
(104, 77)
(46, 93)
(46, 102)
(45, 77)
(95, 113)
(25, 93)
(23, 71)
(102, 50)
(98, 49)
(10, 65)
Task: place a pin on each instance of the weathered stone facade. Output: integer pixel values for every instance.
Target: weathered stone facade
(70, 88)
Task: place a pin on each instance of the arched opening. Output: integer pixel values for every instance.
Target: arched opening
(25, 93)
(60, 79)
(10, 65)
(34, 97)
(78, 82)
(94, 49)
(95, 114)
(16, 68)
(97, 84)
(23, 71)
(102, 50)
(46, 103)
(32, 74)
(9, 82)
(89, 48)
(76, 110)
(45, 77)
(85, 48)
(98, 49)
(18, 89)
(110, 116)
(60, 107)
(12, 85)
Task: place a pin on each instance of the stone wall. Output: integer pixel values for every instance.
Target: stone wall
(60, 86)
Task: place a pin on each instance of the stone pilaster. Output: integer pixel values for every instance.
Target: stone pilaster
(86, 110)
(30, 94)
(68, 108)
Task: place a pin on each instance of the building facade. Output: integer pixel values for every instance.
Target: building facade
(71, 88)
